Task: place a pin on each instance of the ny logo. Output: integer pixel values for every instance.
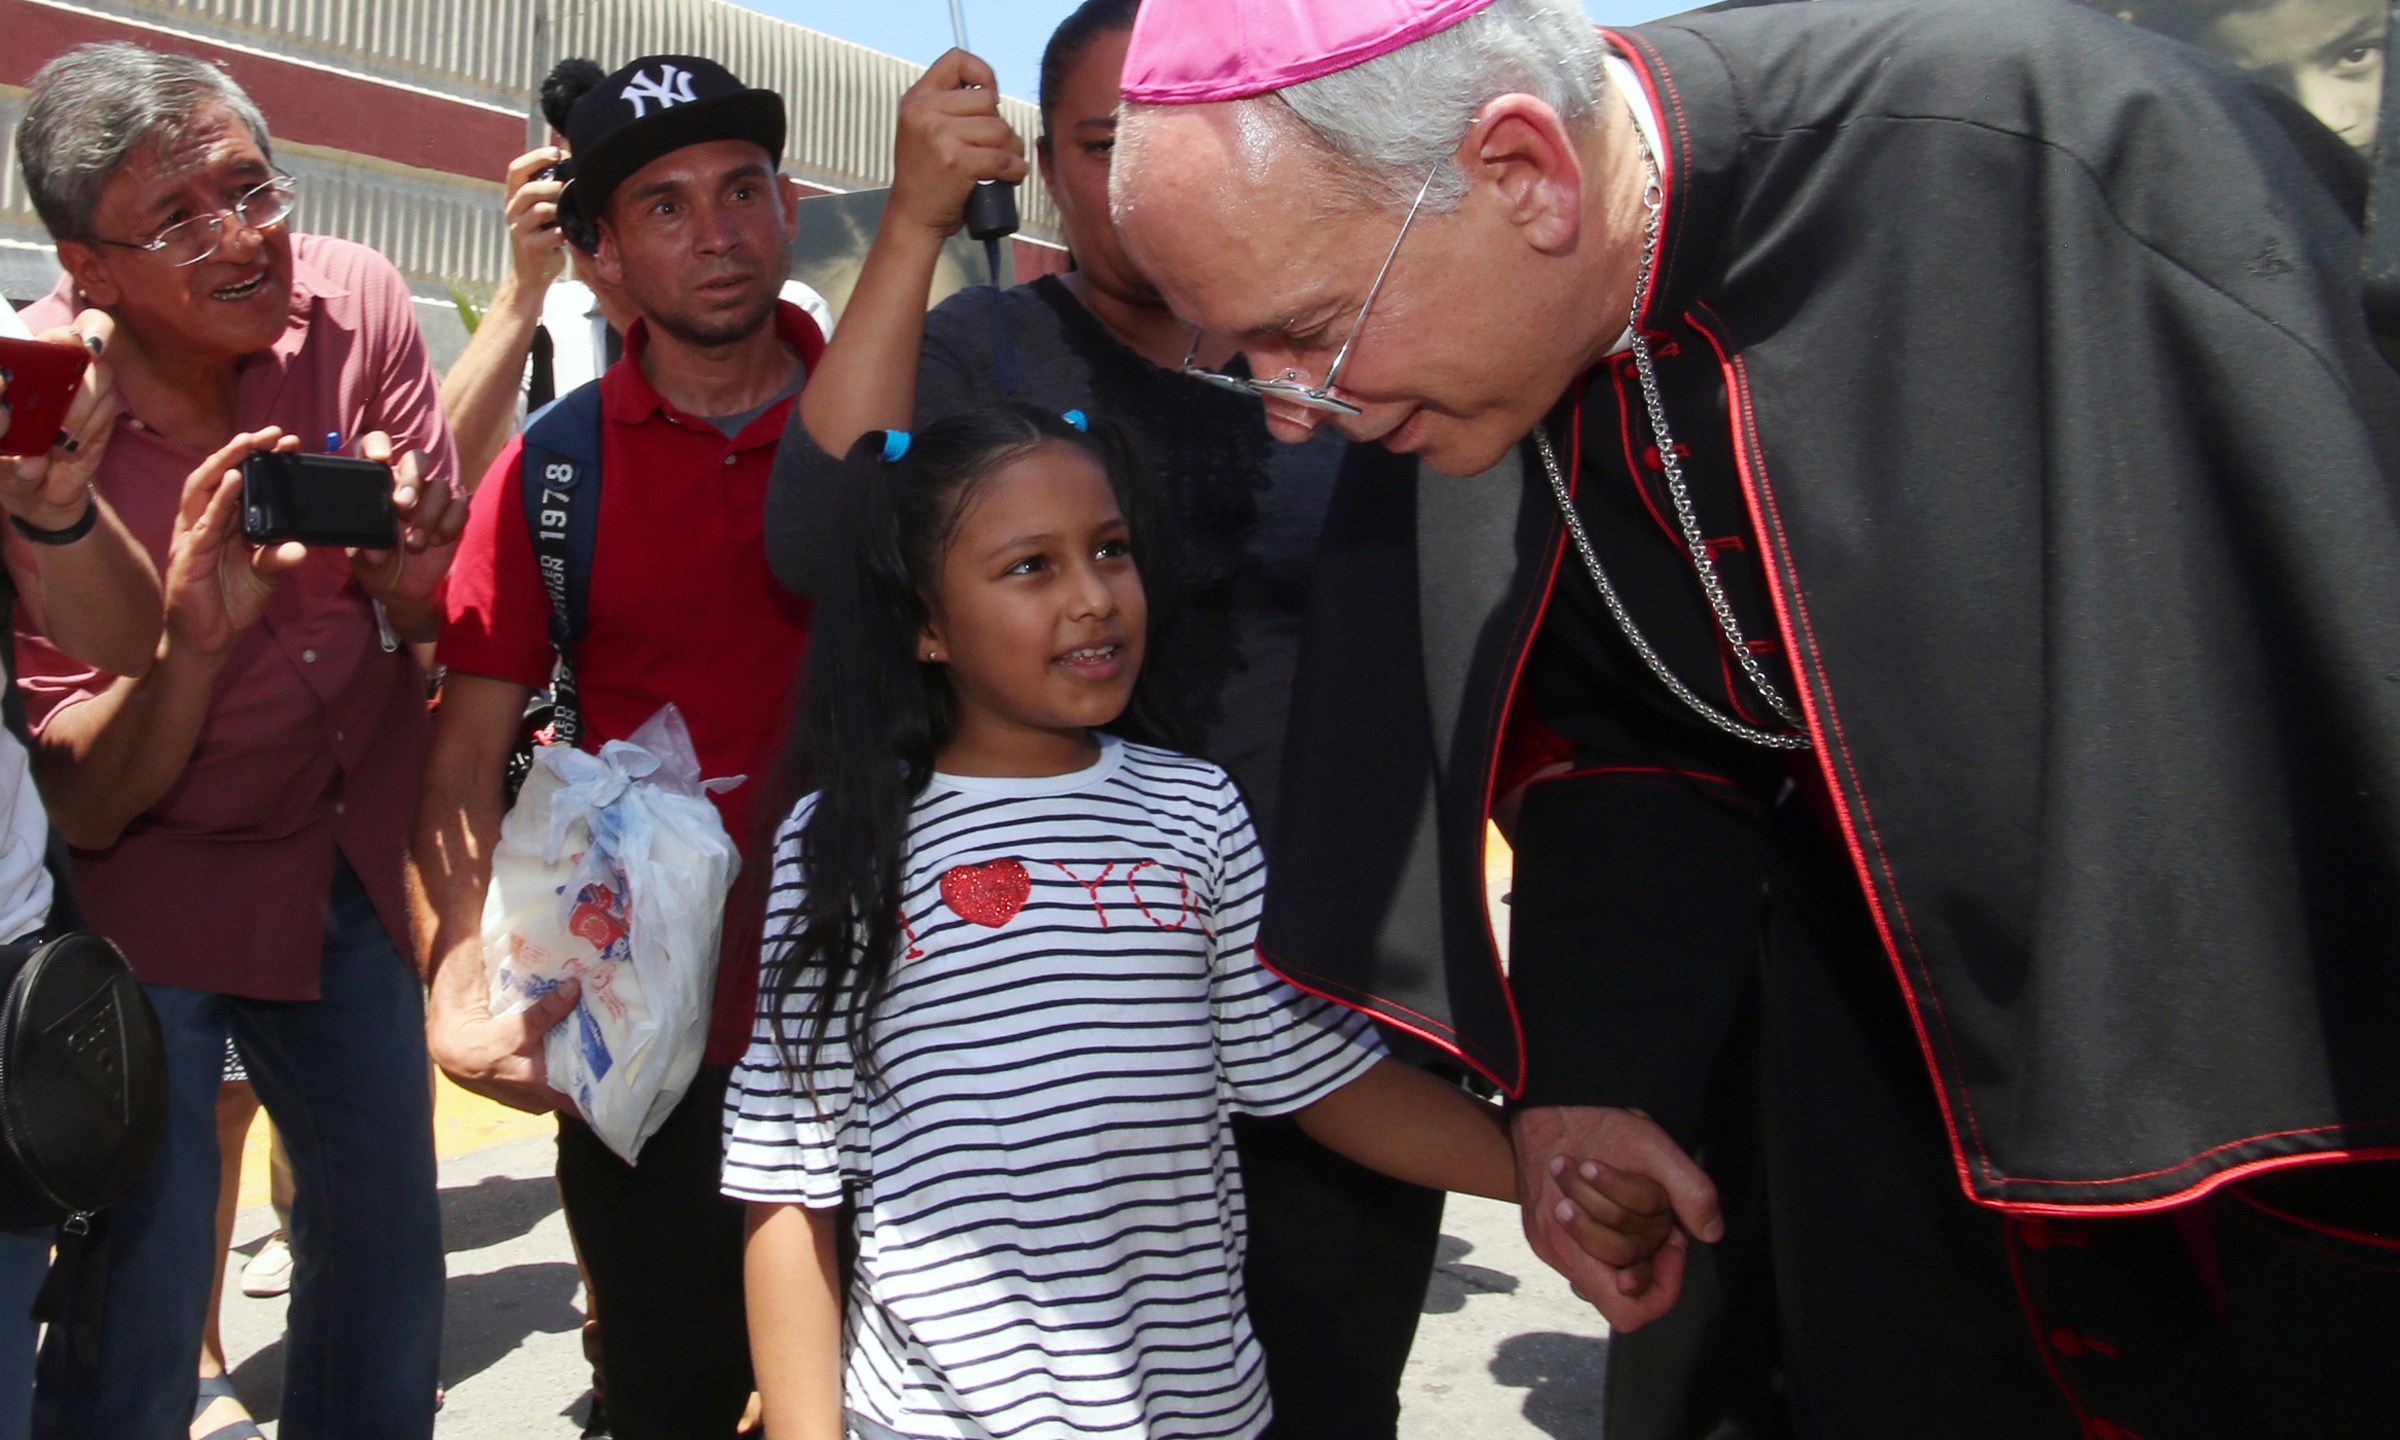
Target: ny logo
(673, 87)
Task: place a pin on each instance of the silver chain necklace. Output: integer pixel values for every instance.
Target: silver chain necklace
(1653, 197)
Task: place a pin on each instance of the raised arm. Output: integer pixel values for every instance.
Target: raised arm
(950, 136)
(103, 761)
(479, 395)
(95, 597)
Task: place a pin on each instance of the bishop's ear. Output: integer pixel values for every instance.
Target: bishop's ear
(1524, 158)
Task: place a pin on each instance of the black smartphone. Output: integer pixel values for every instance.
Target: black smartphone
(318, 500)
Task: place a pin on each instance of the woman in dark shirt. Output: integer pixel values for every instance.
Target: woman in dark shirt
(1338, 1256)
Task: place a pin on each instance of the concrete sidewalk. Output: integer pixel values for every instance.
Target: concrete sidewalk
(1505, 1352)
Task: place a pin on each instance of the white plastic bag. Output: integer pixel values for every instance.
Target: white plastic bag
(612, 869)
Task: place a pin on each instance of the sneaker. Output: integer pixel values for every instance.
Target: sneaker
(270, 1270)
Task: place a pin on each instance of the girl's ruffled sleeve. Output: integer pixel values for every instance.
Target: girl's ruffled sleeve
(788, 1105)
(1278, 1048)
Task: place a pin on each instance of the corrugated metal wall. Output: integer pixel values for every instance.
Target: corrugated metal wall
(843, 98)
(437, 228)
(434, 227)
(474, 49)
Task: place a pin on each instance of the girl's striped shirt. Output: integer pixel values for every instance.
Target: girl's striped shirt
(1050, 1220)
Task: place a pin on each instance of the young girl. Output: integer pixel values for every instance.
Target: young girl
(1012, 993)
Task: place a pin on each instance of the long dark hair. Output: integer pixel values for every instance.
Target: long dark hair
(1074, 35)
(874, 717)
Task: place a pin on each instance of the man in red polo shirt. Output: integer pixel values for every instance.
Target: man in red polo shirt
(676, 197)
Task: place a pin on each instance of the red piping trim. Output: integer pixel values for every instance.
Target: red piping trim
(1666, 105)
(1491, 777)
(1438, 1036)
(1633, 465)
(1768, 520)
(2033, 1327)
(1734, 690)
(2355, 1237)
(1627, 770)
(2211, 1150)
(1372, 1002)
(1769, 525)
(1637, 471)
(2186, 1196)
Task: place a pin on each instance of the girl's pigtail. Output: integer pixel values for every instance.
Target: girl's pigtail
(872, 721)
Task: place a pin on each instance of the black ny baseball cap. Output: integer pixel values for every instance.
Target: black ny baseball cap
(658, 104)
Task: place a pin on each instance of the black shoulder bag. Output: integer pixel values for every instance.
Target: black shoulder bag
(83, 1079)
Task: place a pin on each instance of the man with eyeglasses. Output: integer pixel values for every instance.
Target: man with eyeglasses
(1927, 535)
(239, 812)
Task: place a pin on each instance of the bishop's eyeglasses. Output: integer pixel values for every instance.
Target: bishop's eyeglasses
(1289, 385)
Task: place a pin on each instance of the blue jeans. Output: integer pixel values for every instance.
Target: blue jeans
(344, 1077)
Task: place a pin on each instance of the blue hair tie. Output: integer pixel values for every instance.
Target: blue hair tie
(895, 445)
(1076, 419)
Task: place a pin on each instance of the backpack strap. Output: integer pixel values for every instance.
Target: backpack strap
(560, 479)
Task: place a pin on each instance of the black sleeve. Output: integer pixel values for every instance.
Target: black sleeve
(952, 375)
(1634, 932)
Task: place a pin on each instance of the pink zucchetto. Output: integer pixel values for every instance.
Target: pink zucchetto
(1190, 52)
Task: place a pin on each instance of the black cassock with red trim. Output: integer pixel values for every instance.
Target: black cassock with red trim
(2019, 367)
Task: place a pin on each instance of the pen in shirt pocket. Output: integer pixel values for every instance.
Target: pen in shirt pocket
(383, 622)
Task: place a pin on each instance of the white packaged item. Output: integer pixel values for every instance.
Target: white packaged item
(612, 869)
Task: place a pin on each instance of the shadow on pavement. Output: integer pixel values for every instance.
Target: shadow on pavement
(1567, 1376)
(495, 1210)
(484, 1319)
(488, 1316)
(1452, 1282)
(259, 1381)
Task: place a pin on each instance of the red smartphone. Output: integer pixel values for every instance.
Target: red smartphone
(42, 382)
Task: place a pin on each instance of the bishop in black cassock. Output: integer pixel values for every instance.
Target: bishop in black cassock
(1955, 763)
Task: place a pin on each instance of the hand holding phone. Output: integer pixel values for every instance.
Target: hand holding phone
(535, 242)
(58, 409)
(318, 500)
(216, 586)
(407, 578)
(42, 379)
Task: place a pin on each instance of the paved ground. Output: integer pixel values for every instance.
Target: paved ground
(1504, 1352)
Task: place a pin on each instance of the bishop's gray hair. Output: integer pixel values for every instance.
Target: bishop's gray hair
(94, 106)
(1394, 116)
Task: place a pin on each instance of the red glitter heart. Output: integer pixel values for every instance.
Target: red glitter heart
(990, 894)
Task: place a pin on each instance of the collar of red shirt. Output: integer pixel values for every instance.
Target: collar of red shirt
(630, 399)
